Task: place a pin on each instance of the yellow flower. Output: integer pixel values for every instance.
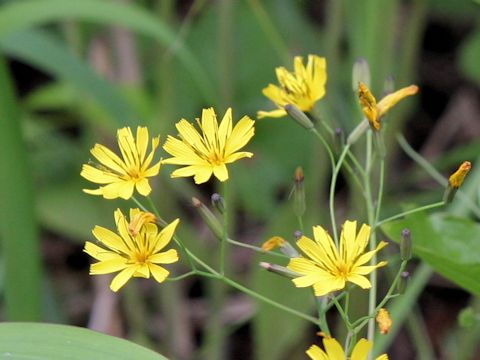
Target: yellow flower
(303, 88)
(208, 153)
(133, 255)
(457, 178)
(119, 176)
(327, 269)
(384, 321)
(374, 111)
(333, 351)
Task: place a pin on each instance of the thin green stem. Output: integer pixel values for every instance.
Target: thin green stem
(256, 248)
(325, 144)
(380, 190)
(408, 212)
(342, 313)
(183, 276)
(322, 303)
(336, 171)
(139, 204)
(224, 241)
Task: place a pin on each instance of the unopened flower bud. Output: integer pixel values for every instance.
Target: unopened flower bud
(403, 282)
(384, 321)
(357, 132)
(456, 180)
(277, 269)
(406, 245)
(209, 218)
(299, 193)
(360, 73)
(299, 116)
(297, 234)
(218, 202)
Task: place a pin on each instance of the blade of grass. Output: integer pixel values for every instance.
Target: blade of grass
(16, 16)
(18, 227)
(44, 51)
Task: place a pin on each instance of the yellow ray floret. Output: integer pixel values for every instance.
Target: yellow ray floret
(374, 111)
(457, 178)
(134, 255)
(119, 176)
(207, 152)
(327, 268)
(334, 351)
(302, 88)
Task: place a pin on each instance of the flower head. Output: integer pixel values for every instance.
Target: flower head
(120, 176)
(374, 111)
(457, 178)
(273, 243)
(133, 255)
(302, 88)
(327, 268)
(333, 351)
(208, 153)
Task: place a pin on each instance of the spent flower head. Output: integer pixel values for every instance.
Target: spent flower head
(374, 111)
(327, 268)
(334, 351)
(208, 152)
(118, 177)
(134, 255)
(457, 178)
(302, 88)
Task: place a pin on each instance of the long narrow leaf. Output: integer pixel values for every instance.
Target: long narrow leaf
(20, 15)
(18, 230)
(47, 53)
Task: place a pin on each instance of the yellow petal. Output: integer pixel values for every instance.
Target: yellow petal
(127, 146)
(333, 349)
(330, 285)
(167, 257)
(108, 266)
(110, 239)
(143, 187)
(142, 142)
(274, 113)
(108, 158)
(165, 235)
(99, 253)
(123, 189)
(98, 176)
(191, 136)
(220, 172)
(158, 272)
(236, 156)
(121, 279)
(201, 173)
(183, 153)
(361, 349)
(347, 240)
(315, 353)
(225, 128)
(240, 136)
(142, 270)
(210, 127)
(365, 270)
(363, 259)
(392, 99)
(360, 280)
(382, 357)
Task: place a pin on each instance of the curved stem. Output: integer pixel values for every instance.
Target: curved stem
(333, 183)
(408, 212)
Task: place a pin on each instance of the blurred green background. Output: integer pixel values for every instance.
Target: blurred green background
(72, 72)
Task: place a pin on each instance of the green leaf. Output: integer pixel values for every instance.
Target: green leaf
(449, 244)
(19, 15)
(49, 341)
(18, 227)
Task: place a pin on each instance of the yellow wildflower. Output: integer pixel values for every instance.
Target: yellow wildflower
(120, 176)
(273, 243)
(374, 111)
(384, 321)
(208, 153)
(302, 88)
(456, 179)
(327, 268)
(333, 351)
(133, 255)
